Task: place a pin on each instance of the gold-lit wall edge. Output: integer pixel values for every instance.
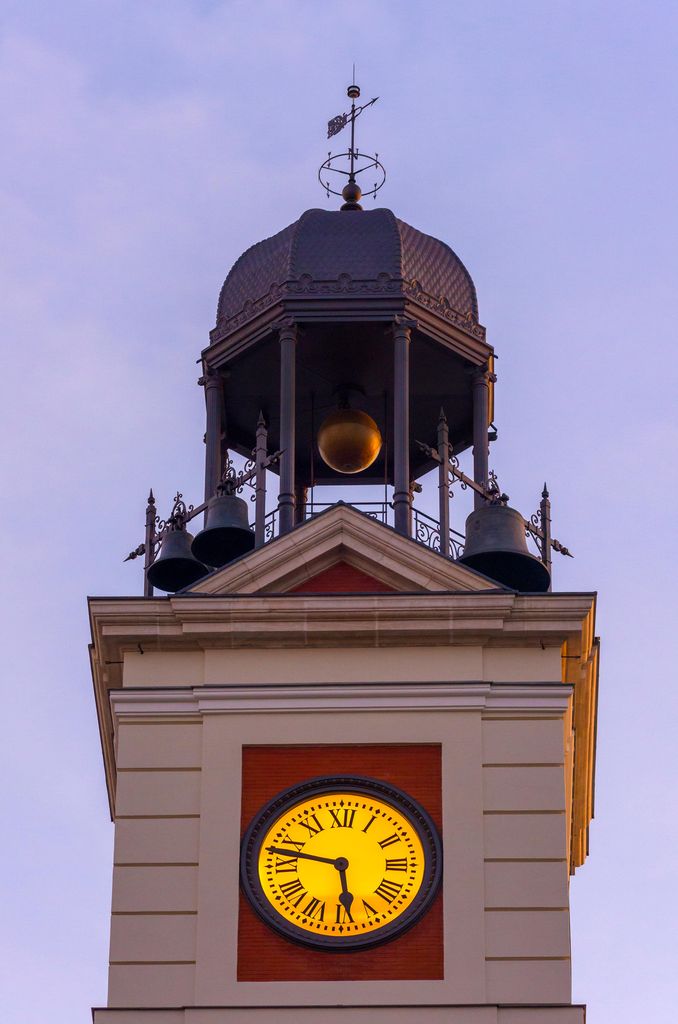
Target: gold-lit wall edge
(581, 659)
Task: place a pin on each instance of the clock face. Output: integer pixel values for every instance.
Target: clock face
(341, 863)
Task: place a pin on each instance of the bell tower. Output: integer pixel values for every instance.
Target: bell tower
(350, 749)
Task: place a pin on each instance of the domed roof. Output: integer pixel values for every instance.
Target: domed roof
(329, 252)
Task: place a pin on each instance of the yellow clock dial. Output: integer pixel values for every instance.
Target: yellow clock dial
(341, 866)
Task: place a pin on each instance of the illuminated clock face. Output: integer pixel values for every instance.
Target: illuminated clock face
(341, 863)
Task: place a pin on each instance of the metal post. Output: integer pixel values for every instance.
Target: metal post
(149, 549)
(481, 388)
(402, 498)
(301, 499)
(260, 453)
(444, 483)
(286, 502)
(214, 430)
(545, 524)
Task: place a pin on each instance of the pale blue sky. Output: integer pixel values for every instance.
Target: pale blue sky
(145, 145)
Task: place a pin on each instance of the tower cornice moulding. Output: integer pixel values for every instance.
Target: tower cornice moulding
(495, 698)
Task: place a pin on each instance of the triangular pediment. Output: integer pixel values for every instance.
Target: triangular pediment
(317, 549)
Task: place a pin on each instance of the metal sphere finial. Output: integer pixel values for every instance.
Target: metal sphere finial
(352, 195)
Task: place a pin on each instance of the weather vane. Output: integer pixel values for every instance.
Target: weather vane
(358, 163)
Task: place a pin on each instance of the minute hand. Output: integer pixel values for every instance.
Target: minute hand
(309, 856)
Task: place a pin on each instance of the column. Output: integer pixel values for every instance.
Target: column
(301, 500)
(481, 400)
(402, 498)
(286, 497)
(444, 483)
(214, 430)
(545, 524)
(261, 451)
(149, 547)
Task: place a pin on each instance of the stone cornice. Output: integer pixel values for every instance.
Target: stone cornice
(199, 622)
(526, 699)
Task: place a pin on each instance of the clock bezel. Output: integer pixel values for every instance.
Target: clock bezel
(361, 785)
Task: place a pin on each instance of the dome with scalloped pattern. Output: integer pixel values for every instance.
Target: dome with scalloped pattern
(357, 252)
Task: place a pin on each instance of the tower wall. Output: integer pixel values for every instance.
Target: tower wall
(181, 724)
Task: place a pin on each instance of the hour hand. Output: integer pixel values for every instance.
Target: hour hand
(345, 897)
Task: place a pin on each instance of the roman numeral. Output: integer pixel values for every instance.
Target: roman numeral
(292, 889)
(369, 911)
(373, 818)
(312, 824)
(314, 908)
(291, 842)
(399, 864)
(283, 864)
(389, 841)
(343, 915)
(387, 890)
(343, 818)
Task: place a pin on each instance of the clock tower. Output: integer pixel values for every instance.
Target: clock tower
(350, 749)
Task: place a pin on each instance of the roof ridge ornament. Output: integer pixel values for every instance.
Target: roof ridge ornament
(358, 162)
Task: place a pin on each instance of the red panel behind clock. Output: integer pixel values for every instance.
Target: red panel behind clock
(263, 955)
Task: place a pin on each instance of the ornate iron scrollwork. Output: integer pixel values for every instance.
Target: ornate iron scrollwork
(426, 530)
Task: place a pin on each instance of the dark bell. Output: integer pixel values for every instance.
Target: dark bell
(175, 567)
(496, 546)
(227, 532)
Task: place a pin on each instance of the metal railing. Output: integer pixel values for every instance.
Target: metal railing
(425, 529)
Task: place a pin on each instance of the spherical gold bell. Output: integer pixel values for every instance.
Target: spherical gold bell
(349, 440)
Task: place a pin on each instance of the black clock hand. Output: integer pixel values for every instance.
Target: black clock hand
(340, 863)
(345, 897)
(334, 861)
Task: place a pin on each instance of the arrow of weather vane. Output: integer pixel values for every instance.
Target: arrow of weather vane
(341, 120)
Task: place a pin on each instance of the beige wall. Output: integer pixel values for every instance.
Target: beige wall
(175, 890)
(396, 664)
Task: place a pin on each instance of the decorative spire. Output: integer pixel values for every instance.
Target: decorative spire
(358, 163)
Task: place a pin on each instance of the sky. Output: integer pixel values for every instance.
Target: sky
(145, 145)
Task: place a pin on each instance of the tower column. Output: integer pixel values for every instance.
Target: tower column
(286, 497)
(481, 400)
(214, 402)
(402, 496)
(444, 483)
(261, 452)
